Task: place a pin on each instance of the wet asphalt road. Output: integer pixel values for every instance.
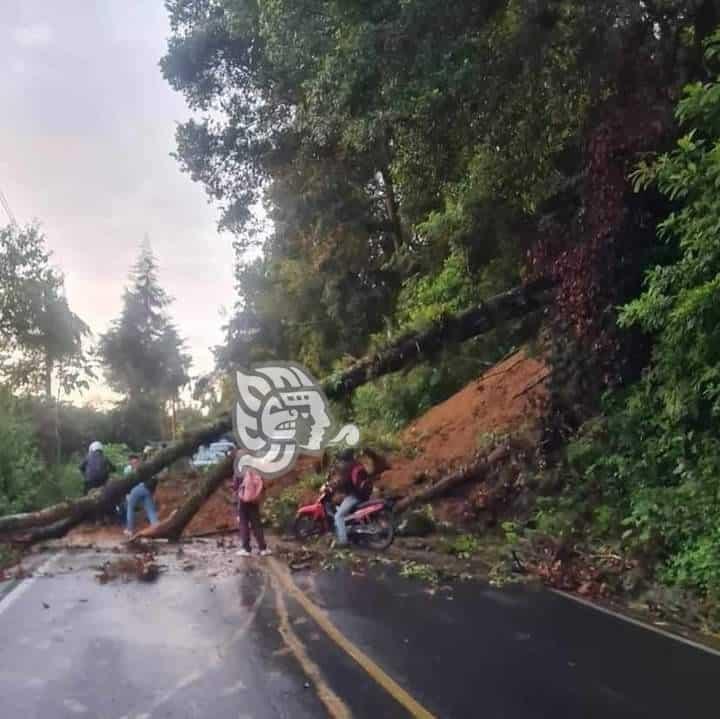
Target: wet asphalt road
(240, 646)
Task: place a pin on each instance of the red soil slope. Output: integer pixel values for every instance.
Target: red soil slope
(509, 397)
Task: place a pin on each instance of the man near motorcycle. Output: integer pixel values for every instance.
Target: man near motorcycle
(352, 479)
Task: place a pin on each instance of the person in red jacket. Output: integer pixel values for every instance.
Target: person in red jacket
(353, 481)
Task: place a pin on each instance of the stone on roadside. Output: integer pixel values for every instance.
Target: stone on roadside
(416, 524)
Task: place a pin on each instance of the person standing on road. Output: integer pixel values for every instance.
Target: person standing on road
(138, 494)
(354, 482)
(248, 489)
(96, 467)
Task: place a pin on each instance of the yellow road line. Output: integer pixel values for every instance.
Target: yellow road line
(323, 621)
(335, 706)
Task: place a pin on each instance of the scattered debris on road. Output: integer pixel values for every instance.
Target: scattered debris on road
(141, 567)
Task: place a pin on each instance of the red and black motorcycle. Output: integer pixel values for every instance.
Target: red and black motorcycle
(370, 524)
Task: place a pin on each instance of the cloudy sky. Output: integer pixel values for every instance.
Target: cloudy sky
(86, 127)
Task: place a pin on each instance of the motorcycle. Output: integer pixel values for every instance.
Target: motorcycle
(370, 523)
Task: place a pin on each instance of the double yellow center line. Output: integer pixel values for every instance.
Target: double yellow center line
(323, 621)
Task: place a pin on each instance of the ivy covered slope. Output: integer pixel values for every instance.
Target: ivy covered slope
(648, 469)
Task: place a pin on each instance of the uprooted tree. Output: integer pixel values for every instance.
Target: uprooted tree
(54, 521)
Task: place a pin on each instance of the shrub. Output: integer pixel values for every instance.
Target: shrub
(463, 546)
(280, 511)
(21, 469)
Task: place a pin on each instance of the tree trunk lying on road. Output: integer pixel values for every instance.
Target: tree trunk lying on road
(510, 305)
(100, 500)
(477, 468)
(172, 527)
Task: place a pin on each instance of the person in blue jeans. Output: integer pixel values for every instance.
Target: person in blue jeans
(353, 481)
(139, 493)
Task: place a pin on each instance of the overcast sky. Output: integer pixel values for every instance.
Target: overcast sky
(86, 127)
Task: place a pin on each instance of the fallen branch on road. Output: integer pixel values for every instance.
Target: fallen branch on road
(172, 527)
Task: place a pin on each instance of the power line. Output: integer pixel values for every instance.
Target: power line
(6, 206)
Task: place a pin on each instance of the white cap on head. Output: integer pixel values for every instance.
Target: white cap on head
(95, 447)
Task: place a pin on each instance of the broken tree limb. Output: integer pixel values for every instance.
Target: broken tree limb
(100, 500)
(172, 527)
(510, 305)
(475, 469)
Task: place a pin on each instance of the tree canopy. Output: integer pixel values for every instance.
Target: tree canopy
(386, 142)
(41, 338)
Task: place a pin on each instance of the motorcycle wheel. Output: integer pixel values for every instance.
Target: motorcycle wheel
(380, 532)
(305, 527)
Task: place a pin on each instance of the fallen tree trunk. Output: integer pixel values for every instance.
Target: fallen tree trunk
(73, 511)
(475, 469)
(172, 527)
(49, 531)
(510, 305)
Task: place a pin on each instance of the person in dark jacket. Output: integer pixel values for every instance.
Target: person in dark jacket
(352, 480)
(96, 467)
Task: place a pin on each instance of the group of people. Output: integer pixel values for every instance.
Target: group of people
(96, 469)
(349, 477)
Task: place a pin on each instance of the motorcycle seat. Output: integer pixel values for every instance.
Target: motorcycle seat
(366, 504)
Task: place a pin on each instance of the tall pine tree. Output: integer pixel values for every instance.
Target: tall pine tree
(143, 354)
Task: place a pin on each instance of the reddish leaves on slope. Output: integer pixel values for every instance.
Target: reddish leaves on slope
(598, 264)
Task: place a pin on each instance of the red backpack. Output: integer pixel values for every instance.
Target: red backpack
(251, 488)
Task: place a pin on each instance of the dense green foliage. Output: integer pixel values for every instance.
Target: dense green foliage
(26, 481)
(399, 152)
(20, 466)
(390, 403)
(41, 339)
(649, 469)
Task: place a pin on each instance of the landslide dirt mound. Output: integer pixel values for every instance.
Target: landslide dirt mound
(508, 399)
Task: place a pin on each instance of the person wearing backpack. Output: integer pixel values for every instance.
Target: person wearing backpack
(96, 467)
(355, 483)
(248, 487)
